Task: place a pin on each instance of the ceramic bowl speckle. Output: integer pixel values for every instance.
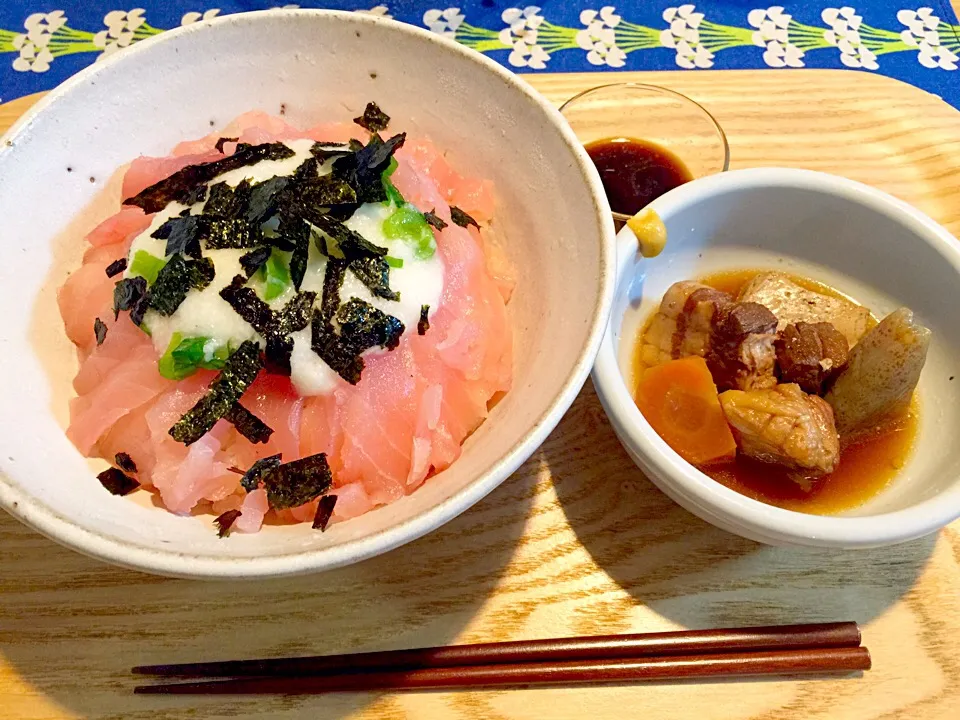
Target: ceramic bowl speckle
(868, 245)
(320, 66)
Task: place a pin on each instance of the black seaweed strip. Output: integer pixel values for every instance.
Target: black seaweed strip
(298, 233)
(352, 244)
(179, 185)
(296, 314)
(362, 326)
(182, 235)
(248, 305)
(461, 218)
(239, 372)
(434, 220)
(333, 278)
(99, 330)
(300, 481)
(225, 521)
(373, 119)
(424, 324)
(324, 512)
(328, 345)
(127, 293)
(247, 424)
(251, 478)
(116, 482)
(226, 201)
(176, 279)
(263, 199)
(125, 462)
(375, 274)
(221, 233)
(254, 260)
(219, 144)
(116, 267)
(277, 353)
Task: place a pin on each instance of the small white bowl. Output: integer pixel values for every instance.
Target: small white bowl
(865, 243)
(318, 66)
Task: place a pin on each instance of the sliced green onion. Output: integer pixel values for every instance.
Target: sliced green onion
(394, 262)
(408, 224)
(275, 275)
(146, 266)
(393, 195)
(184, 356)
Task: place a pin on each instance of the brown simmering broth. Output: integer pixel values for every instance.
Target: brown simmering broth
(865, 469)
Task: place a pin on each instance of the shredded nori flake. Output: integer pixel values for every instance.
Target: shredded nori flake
(125, 462)
(355, 145)
(220, 233)
(461, 218)
(179, 185)
(225, 521)
(254, 260)
(226, 201)
(277, 353)
(295, 315)
(374, 272)
(247, 424)
(176, 279)
(362, 326)
(248, 305)
(324, 512)
(424, 323)
(116, 482)
(220, 143)
(363, 168)
(352, 245)
(196, 195)
(263, 199)
(333, 277)
(373, 118)
(295, 483)
(182, 234)
(238, 373)
(300, 254)
(323, 150)
(341, 358)
(252, 477)
(116, 267)
(434, 220)
(100, 330)
(127, 293)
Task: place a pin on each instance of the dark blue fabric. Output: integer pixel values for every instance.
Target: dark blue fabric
(551, 37)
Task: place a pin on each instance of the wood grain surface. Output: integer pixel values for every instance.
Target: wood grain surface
(576, 542)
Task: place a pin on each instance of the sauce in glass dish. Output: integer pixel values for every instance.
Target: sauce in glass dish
(636, 172)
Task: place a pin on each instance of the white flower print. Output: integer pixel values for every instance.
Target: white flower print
(772, 34)
(844, 34)
(379, 10)
(120, 32)
(923, 33)
(192, 17)
(522, 34)
(444, 22)
(684, 37)
(599, 39)
(32, 46)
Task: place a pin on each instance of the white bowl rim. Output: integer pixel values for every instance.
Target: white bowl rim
(37, 515)
(761, 519)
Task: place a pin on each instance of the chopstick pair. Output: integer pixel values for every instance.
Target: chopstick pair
(689, 654)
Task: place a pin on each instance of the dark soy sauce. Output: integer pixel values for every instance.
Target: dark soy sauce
(635, 172)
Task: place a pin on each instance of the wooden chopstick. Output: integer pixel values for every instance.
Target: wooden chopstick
(645, 669)
(684, 642)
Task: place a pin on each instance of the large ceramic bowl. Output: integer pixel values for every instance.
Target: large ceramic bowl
(870, 246)
(55, 170)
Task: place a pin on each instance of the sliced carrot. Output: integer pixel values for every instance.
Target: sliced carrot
(679, 400)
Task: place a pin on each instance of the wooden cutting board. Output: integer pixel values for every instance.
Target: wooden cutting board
(576, 542)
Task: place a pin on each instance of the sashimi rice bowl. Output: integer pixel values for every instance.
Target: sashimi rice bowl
(302, 337)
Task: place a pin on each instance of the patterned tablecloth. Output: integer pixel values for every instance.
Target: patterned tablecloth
(42, 42)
